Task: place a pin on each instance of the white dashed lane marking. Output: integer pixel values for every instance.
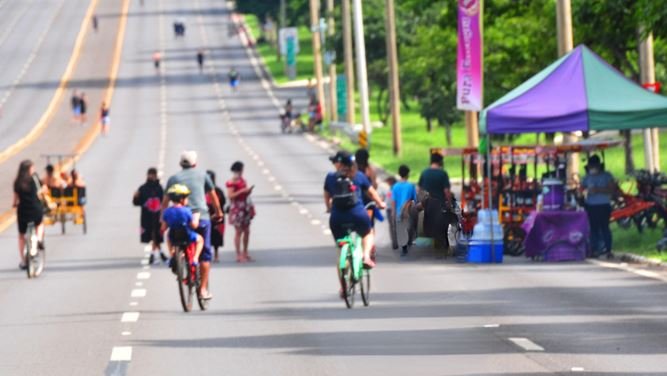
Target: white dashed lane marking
(143, 275)
(130, 317)
(121, 354)
(138, 293)
(526, 344)
(125, 334)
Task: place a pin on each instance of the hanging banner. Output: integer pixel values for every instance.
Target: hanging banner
(469, 57)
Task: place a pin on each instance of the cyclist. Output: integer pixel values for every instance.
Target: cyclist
(342, 196)
(28, 195)
(199, 185)
(180, 220)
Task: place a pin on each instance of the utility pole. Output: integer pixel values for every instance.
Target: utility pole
(317, 50)
(394, 86)
(565, 45)
(331, 30)
(362, 79)
(647, 74)
(349, 61)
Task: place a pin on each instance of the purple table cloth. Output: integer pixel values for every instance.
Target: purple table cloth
(557, 235)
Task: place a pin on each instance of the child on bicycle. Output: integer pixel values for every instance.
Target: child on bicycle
(179, 221)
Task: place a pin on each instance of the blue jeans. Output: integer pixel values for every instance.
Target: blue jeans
(204, 230)
(598, 218)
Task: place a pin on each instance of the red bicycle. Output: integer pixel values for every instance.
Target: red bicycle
(188, 274)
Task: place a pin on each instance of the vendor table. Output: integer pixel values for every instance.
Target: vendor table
(557, 235)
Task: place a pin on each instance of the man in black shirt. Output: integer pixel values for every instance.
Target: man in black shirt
(435, 181)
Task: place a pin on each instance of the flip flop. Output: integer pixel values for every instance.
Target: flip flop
(370, 264)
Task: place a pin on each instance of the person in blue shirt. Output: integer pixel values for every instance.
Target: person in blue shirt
(343, 191)
(404, 195)
(600, 187)
(179, 220)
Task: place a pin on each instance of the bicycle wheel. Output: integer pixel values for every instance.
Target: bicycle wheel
(365, 287)
(185, 285)
(347, 283)
(203, 303)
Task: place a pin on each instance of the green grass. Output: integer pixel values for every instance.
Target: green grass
(304, 61)
(631, 241)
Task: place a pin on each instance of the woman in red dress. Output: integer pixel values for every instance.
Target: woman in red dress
(241, 211)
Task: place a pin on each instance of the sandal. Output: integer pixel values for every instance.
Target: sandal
(369, 264)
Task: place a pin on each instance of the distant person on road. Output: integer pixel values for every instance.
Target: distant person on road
(149, 197)
(241, 211)
(218, 225)
(404, 198)
(314, 114)
(28, 195)
(83, 104)
(199, 185)
(75, 102)
(600, 187)
(156, 60)
(95, 22)
(233, 79)
(104, 119)
(200, 60)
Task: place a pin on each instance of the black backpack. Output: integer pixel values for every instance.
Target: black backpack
(345, 193)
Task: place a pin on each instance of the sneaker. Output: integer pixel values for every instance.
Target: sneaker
(404, 251)
(40, 245)
(163, 257)
(151, 259)
(23, 266)
(172, 265)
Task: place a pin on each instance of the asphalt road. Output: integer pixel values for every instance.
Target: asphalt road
(98, 309)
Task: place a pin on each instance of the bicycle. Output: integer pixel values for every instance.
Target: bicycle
(188, 275)
(351, 269)
(34, 256)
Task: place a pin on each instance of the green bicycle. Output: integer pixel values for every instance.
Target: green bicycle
(351, 270)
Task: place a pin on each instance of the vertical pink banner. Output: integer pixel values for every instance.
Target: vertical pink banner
(469, 57)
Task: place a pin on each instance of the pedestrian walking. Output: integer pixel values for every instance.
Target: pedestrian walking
(233, 79)
(75, 102)
(218, 225)
(200, 60)
(95, 22)
(241, 211)
(404, 198)
(149, 197)
(200, 185)
(599, 186)
(104, 119)
(83, 105)
(156, 61)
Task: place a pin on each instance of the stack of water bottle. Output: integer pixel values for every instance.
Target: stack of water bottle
(486, 243)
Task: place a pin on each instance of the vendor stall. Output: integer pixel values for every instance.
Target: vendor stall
(578, 92)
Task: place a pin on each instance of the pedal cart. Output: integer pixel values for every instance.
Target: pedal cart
(69, 200)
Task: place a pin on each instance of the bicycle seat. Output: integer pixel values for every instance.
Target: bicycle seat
(179, 236)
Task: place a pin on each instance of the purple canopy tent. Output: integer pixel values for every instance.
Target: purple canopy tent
(578, 92)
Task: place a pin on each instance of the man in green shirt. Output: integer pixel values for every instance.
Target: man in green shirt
(435, 180)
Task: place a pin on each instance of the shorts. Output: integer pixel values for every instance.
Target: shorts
(234, 83)
(355, 219)
(106, 120)
(77, 110)
(23, 224)
(204, 230)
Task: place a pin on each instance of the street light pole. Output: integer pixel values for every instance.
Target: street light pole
(394, 85)
(349, 61)
(362, 79)
(317, 49)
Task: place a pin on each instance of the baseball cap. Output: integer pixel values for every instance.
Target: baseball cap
(188, 158)
(342, 157)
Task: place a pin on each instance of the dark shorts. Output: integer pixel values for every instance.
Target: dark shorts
(204, 230)
(23, 223)
(355, 219)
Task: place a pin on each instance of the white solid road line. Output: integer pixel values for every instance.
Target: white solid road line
(121, 354)
(631, 269)
(130, 317)
(526, 344)
(138, 293)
